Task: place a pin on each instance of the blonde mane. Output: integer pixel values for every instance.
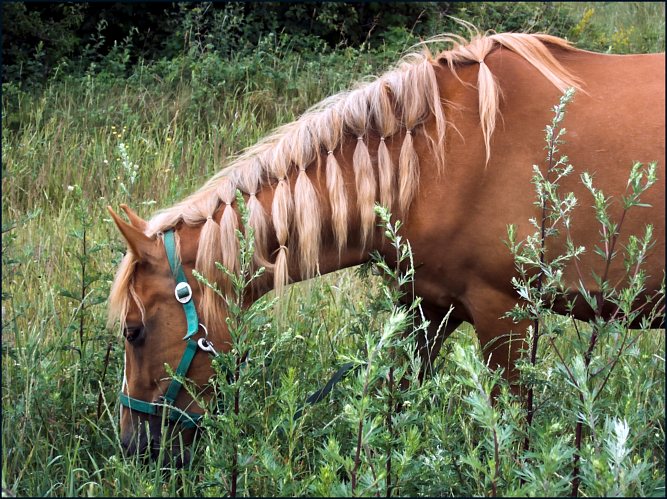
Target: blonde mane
(395, 106)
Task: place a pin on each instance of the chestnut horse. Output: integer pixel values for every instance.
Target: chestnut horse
(448, 143)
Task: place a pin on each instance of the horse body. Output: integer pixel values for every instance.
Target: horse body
(457, 218)
(458, 222)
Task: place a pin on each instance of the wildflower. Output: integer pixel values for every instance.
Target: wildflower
(70, 188)
(106, 161)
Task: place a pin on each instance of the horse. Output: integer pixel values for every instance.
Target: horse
(447, 143)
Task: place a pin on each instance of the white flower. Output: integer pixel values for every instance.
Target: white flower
(70, 188)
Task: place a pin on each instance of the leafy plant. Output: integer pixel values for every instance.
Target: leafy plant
(540, 283)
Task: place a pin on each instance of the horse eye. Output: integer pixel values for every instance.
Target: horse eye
(134, 335)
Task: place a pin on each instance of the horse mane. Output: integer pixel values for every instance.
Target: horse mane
(395, 106)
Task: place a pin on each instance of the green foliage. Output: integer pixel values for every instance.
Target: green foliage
(604, 27)
(36, 40)
(42, 41)
(113, 39)
(606, 340)
(547, 17)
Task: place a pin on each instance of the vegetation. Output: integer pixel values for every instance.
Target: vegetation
(119, 113)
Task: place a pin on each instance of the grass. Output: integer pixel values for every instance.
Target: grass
(179, 121)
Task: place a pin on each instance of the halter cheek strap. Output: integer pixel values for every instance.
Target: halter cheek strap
(183, 293)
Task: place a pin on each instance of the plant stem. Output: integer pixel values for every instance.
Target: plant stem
(536, 321)
(83, 290)
(235, 456)
(390, 409)
(104, 375)
(609, 249)
(357, 456)
(496, 470)
(577, 454)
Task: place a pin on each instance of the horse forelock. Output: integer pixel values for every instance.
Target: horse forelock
(120, 294)
(397, 103)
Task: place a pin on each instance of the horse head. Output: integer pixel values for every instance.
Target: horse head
(154, 296)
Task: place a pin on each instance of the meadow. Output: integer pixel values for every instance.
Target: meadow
(151, 133)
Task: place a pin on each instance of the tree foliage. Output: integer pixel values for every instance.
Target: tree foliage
(42, 39)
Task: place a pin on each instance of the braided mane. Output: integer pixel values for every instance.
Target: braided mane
(396, 104)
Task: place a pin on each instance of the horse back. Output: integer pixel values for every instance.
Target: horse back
(459, 220)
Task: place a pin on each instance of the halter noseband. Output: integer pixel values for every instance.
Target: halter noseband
(183, 293)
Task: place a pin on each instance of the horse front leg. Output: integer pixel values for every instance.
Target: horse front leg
(501, 339)
(429, 338)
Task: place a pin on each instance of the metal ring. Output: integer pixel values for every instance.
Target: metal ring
(204, 344)
(205, 330)
(186, 298)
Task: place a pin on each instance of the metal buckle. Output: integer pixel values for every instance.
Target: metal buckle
(206, 346)
(180, 286)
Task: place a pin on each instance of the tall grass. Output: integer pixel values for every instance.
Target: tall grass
(150, 139)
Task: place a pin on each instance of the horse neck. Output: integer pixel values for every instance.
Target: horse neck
(332, 254)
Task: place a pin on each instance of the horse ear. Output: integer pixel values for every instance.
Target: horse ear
(139, 243)
(135, 219)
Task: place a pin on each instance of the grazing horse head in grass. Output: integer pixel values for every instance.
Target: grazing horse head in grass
(447, 142)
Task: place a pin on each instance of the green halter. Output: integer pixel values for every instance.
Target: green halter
(183, 293)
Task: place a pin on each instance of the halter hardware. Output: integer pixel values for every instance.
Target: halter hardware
(206, 346)
(183, 293)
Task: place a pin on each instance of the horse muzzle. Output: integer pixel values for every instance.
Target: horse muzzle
(148, 439)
